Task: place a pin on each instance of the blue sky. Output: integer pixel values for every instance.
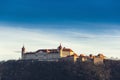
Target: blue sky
(59, 11)
(86, 26)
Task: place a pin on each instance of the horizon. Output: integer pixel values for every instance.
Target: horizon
(89, 27)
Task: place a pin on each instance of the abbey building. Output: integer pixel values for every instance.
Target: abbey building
(49, 54)
(60, 54)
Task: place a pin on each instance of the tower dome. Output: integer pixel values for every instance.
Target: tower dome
(23, 49)
(60, 47)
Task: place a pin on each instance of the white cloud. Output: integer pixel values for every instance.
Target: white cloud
(12, 39)
(107, 43)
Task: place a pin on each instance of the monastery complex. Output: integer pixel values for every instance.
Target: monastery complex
(60, 54)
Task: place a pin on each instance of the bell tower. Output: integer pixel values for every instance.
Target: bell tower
(23, 51)
(60, 50)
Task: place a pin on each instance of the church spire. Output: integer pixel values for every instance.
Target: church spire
(23, 49)
(60, 47)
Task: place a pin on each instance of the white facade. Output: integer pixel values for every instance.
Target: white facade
(42, 56)
(47, 54)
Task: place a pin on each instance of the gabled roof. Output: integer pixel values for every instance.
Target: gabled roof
(73, 55)
(47, 50)
(82, 55)
(67, 49)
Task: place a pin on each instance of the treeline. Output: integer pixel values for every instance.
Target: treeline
(38, 70)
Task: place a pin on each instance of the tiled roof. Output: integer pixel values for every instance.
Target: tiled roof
(73, 55)
(48, 50)
(82, 55)
(67, 49)
(29, 53)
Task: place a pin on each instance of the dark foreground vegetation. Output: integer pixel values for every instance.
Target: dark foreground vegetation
(36, 70)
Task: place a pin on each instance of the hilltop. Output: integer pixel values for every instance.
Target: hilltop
(43, 70)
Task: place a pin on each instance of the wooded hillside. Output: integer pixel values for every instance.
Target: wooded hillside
(36, 70)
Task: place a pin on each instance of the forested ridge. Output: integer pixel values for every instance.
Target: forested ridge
(40, 70)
